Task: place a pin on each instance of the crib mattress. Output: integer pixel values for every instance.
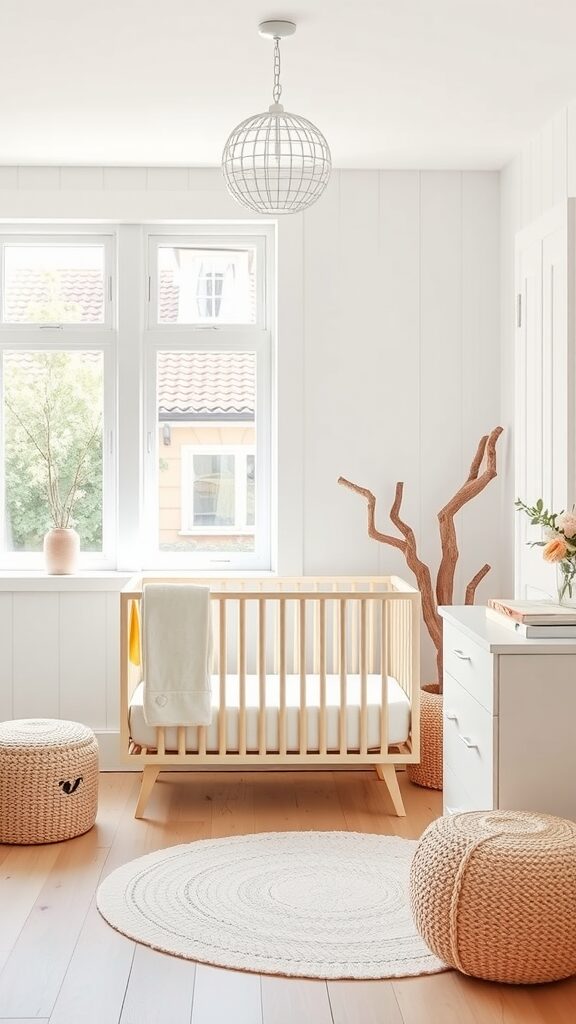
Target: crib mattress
(398, 715)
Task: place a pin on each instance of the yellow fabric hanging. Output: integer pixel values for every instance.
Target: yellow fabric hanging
(134, 639)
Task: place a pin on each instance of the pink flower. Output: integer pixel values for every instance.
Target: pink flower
(567, 523)
(555, 550)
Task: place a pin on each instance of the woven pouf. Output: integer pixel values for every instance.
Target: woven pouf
(493, 893)
(48, 780)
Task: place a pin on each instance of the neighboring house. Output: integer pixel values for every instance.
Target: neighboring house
(206, 449)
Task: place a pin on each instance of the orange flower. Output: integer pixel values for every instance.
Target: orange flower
(555, 550)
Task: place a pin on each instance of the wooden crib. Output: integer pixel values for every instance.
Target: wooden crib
(306, 671)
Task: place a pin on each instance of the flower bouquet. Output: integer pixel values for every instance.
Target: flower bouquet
(558, 543)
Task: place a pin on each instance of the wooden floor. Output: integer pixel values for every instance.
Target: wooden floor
(60, 962)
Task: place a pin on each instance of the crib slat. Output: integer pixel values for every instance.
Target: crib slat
(202, 739)
(181, 740)
(363, 682)
(242, 676)
(160, 739)
(322, 723)
(384, 676)
(222, 657)
(262, 676)
(282, 668)
(343, 668)
(334, 669)
(303, 716)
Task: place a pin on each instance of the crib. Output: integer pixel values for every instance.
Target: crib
(305, 671)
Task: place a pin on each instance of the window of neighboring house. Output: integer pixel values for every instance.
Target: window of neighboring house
(57, 395)
(209, 401)
(218, 490)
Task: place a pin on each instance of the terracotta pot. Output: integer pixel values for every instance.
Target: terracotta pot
(429, 772)
(61, 550)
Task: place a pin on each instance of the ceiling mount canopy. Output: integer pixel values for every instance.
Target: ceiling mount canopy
(276, 162)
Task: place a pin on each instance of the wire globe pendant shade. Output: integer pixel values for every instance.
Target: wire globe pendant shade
(276, 162)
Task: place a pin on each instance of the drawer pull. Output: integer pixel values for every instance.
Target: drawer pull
(460, 654)
(468, 742)
(451, 716)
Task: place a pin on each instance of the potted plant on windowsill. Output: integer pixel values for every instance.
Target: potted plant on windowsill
(429, 771)
(53, 452)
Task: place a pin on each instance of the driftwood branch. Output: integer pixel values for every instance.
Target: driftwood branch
(471, 588)
(375, 534)
(475, 483)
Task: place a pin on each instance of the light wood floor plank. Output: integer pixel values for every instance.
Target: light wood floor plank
(222, 997)
(23, 873)
(95, 984)
(232, 806)
(48, 937)
(160, 989)
(369, 1002)
(290, 1000)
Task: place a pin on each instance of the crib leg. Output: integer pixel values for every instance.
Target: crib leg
(387, 773)
(149, 776)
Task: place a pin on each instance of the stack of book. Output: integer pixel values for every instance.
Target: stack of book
(534, 619)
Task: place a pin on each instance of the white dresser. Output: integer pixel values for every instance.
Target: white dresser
(509, 718)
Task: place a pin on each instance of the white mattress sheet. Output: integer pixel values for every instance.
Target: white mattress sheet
(398, 715)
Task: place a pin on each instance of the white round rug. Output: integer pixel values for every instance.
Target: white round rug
(312, 904)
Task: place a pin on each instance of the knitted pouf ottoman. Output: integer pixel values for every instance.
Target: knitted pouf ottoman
(48, 780)
(493, 893)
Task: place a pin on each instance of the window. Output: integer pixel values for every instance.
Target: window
(201, 284)
(209, 401)
(57, 395)
(54, 281)
(136, 394)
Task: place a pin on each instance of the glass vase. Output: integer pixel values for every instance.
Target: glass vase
(566, 582)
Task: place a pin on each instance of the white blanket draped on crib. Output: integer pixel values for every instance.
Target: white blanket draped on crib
(177, 646)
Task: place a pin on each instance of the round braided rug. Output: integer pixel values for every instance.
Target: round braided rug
(309, 904)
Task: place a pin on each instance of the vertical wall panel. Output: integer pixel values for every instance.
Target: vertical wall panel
(441, 350)
(83, 658)
(399, 382)
(112, 643)
(36, 655)
(5, 656)
(478, 523)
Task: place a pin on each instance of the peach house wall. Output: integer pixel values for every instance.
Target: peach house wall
(170, 510)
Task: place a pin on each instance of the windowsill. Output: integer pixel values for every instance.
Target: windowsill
(36, 579)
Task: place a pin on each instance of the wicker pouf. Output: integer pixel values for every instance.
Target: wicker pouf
(493, 893)
(48, 780)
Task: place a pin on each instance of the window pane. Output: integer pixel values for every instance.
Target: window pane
(206, 285)
(57, 284)
(213, 497)
(52, 414)
(206, 441)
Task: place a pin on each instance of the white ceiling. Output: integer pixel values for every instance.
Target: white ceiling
(392, 83)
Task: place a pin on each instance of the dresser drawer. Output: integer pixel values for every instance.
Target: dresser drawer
(469, 745)
(470, 665)
(456, 799)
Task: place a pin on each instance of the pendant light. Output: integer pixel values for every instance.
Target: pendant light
(276, 162)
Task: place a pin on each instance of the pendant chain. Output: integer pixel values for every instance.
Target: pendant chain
(277, 90)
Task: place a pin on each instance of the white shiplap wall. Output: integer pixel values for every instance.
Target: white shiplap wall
(388, 368)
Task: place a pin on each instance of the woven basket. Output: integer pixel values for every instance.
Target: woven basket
(429, 772)
(48, 780)
(493, 893)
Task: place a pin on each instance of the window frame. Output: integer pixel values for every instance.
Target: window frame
(256, 338)
(208, 238)
(70, 338)
(238, 451)
(76, 238)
